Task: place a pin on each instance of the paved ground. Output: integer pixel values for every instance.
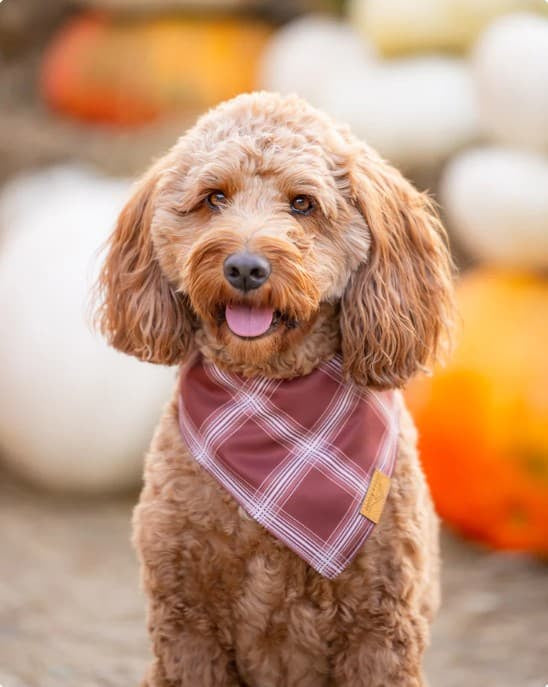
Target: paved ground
(71, 614)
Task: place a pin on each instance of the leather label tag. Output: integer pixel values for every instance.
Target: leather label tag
(375, 498)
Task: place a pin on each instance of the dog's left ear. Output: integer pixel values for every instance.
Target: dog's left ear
(396, 312)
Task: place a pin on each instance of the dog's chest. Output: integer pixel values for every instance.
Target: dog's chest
(220, 522)
(258, 581)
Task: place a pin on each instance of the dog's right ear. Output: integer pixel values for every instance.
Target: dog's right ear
(139, 311)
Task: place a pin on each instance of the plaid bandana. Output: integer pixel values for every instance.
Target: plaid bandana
(309, 458)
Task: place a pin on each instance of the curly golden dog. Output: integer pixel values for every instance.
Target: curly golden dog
(267, 204)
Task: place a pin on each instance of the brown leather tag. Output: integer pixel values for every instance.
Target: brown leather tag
(375, 498)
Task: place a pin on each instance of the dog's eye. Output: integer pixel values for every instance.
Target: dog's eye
(303, 205)
(216, 200)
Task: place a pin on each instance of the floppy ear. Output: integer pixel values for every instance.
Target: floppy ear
(396, 312)
(139, 312)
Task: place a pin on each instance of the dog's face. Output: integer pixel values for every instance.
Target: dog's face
(259, 215)
(251, 225)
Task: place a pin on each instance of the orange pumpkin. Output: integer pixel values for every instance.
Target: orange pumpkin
(483, 420)
(131, 72)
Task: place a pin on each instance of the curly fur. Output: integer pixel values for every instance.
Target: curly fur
(367, 273)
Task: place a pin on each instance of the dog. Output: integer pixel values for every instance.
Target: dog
(266, 244)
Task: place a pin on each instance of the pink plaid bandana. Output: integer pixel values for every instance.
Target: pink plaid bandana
(298, 455)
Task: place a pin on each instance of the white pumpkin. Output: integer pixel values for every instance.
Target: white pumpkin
(496, 201)
(415, 111)
(400, 27)
(306, 53)
(510, 66)
(75, 414)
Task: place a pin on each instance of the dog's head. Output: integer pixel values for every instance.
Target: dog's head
(262, 216)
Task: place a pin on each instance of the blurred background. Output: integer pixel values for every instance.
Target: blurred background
(454, 93)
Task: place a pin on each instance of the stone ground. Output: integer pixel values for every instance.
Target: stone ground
(71, 614)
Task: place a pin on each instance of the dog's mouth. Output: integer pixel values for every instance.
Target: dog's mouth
(253, 322)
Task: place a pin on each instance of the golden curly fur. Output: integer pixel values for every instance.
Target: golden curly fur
(366, 273)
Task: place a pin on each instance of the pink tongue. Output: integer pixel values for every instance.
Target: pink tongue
(245, 320)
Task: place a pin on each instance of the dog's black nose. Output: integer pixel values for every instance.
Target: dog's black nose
(246, 271)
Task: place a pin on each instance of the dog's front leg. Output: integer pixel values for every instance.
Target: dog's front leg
(186, 638)
(188, 659)
(378, 656)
